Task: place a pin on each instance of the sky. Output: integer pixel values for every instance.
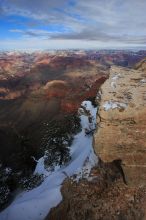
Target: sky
(72, 24)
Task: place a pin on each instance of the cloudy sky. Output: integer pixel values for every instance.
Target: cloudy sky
(78, 24)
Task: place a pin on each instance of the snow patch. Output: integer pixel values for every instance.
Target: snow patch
(8, 170)
(112, 105)
(114, 78)
(143, 81)
(113, 85)
(40, 167)
(117, 76)
(84, 172)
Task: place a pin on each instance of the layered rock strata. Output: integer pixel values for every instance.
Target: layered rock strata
(121, 122)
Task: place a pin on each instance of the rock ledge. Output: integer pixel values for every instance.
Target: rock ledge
(121, 120)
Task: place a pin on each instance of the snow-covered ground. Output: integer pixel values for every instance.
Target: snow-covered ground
(35, 204)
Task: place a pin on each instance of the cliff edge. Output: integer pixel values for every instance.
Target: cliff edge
(121, 123)
(120, 142)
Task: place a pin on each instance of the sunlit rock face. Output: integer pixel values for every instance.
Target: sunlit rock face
(121, 121)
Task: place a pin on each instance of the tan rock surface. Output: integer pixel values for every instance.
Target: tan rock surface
(104, 197)
(121, 134)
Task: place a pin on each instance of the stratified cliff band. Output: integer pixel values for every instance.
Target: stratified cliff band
(121, 133)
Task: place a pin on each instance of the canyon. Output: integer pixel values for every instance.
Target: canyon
(116, 188)
(40, 94)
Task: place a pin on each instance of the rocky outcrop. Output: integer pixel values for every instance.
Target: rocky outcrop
(121, 121)
(141, 65)
(103, 196)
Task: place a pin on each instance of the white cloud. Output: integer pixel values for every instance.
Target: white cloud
(114, 22)
(42, 44)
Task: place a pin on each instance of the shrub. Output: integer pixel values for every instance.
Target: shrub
(4, 194)
(31, 182)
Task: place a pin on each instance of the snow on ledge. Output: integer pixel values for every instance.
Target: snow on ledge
(143, 81)
(112, 105)
(117, 76)
(113, 85)
(114, 79)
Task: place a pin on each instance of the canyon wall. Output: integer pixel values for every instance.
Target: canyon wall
(121, 123)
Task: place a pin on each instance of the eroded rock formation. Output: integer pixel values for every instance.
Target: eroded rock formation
(121, 121)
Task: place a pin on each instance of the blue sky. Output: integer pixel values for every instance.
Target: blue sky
(65, 24)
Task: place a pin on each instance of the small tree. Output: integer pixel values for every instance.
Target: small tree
(58, 138)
